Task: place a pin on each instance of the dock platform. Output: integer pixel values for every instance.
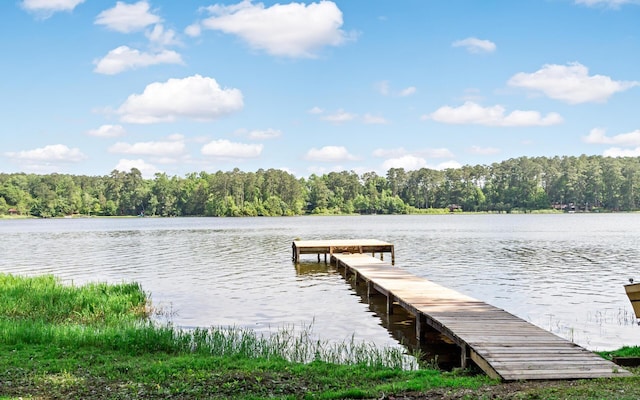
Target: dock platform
(329, 247)
(503, 345)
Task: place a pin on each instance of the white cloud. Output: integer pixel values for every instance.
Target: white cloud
(570, 83)
(384, 88)
(264, 134)
(473, 113)
(170, 148)
(330, 154)
(147, 170)
(598, 136)
(314, 169)
(225, 149)
(339, 116)
(123, 58)
(291, 30)
(390, 153)
(160, 37)
(108, 131)
(408, 162)
(618, 152)
(475, 45)
(374, 120)
(316, 110)
(407, 91)
(606, 3)
(193, 30)
(127, 18)
(46, 8)
(51, 153)
(485, 151)
(401, 151)
(448, 164)
(194, 97)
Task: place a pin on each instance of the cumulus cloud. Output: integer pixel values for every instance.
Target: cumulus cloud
(401, 151)
(146, 170)
(473, 113)
(475, 45)
(606, 3)
(448, 164)
(193, 30)
(316, 110)
(160, 37)
(618, 152)
(384, 88)
(46, 8)
(598, 136)
(570, 83)
(413, 162)
(108, 131)
(407, 91)
(330, 154)
(374, 119)
(485, 151)
(127, 18)
(54, 153)
(290, 30)
(225, 149)
(171, 148)
(195, 97)
(264, 134)
(339, 116)
(123, 58)
(408, 162)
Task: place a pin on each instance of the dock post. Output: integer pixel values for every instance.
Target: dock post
(464, 356)
(393, 256)
(421, 325)
(389, 304)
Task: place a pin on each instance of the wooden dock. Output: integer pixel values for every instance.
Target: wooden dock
(325, 247)
(502, 345)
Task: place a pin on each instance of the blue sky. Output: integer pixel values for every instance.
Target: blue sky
(312, 87)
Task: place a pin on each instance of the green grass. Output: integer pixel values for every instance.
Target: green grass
(97, 341)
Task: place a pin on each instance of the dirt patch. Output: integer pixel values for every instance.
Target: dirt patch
(513, 390)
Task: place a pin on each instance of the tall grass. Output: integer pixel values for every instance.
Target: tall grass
(41, 310)
(45, 299)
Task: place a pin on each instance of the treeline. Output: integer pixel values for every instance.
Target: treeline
(584, 183)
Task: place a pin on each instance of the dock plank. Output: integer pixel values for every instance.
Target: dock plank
(502, 344)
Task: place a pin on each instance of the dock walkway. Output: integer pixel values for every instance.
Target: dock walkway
(501, 344)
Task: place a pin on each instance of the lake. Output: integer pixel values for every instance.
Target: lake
(564, 273)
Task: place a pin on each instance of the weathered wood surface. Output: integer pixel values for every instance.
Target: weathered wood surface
(503, 345)
(633, 293)
(325, 247)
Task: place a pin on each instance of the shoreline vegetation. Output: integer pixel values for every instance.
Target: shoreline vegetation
(100, 341)
(520, 185)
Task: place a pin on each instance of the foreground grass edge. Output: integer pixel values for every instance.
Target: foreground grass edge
(98, 341)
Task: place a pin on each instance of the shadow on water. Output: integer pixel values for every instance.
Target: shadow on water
(435, 349)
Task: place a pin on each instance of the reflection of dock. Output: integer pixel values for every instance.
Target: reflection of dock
(501, 344)
(325, 247)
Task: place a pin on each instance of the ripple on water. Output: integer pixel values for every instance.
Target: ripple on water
(565, 277)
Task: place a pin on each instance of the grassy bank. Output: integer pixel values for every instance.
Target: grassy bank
(97, 341)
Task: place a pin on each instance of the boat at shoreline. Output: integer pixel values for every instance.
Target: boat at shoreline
(633, 293)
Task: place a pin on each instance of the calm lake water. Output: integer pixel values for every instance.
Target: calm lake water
(564, 273)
